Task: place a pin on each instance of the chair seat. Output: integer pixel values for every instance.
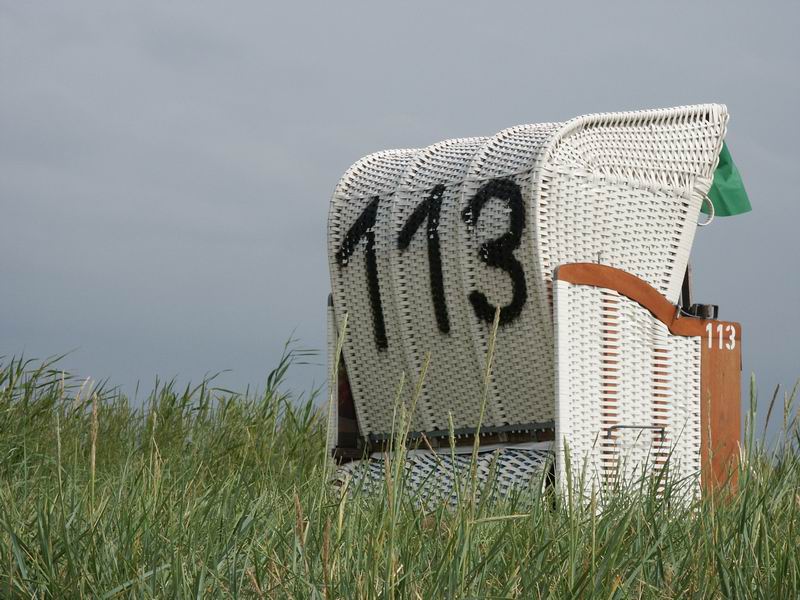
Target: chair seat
(433, 477)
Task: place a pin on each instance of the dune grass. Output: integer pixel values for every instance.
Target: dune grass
(201, 492)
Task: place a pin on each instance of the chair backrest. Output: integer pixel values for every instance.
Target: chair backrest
(425, 244)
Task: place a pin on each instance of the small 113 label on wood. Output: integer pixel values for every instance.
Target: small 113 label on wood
(723, 334)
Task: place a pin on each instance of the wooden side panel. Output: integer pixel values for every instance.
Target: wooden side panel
(721, 404)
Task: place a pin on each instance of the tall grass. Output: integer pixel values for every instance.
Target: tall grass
(201, 492)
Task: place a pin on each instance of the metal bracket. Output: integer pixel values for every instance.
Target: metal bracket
(661, 430)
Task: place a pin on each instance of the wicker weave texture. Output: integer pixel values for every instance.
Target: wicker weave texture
(522, 371)
(452, 355)
(375, 375)
(432, 478)
(635, 183)
(424, 244)
(627, 393)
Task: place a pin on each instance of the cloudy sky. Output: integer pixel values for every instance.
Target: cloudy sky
(165, 167)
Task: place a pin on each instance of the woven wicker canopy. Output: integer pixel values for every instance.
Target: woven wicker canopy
(424, 245)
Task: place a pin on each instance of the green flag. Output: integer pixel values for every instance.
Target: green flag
(727, 192)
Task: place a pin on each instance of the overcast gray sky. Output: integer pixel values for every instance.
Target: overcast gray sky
(166, 167)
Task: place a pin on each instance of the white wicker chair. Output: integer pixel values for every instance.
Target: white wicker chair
(424, 244)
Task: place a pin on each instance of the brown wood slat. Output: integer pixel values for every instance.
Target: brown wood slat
(720, 414)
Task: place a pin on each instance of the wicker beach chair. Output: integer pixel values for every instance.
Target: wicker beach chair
(425, 245)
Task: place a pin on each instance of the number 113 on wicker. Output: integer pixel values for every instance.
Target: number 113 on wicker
(580, 234)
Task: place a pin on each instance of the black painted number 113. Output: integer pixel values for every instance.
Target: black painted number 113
(497, 253)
